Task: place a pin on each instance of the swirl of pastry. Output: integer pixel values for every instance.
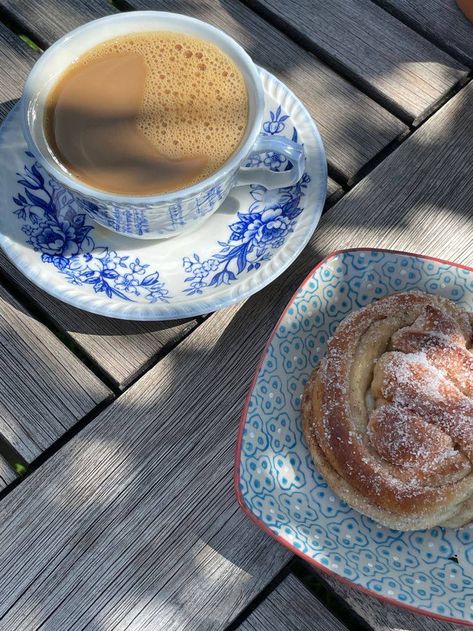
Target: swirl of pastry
(388, 413)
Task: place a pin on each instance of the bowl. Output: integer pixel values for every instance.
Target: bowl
(276, 482)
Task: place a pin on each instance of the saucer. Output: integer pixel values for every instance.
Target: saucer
(252, 238)
(278, 485)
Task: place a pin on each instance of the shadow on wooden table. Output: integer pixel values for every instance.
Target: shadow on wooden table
(145, 521)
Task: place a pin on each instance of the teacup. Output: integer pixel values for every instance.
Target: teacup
(156, 216)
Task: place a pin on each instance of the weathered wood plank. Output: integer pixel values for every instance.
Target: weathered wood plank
(122, 349)
(333, 188)
(7, 474)
(132, 524)
(149, 489)
(440, 20)
(16, 59)
(390, 60)
(354, 128)
(44, 388)
(419, 198)
(48, 20)
(291, 607)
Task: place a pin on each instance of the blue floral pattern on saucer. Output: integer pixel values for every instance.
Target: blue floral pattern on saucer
(243, 246)
(54, 227)
(260, 229)
(277, 482)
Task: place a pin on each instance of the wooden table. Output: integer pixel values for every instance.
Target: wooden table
(116, 438)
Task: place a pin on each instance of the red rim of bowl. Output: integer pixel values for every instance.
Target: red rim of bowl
(236, 471)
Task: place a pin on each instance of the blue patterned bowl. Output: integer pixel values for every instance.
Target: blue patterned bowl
(277, 484)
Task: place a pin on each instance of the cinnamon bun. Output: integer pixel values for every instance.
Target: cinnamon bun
(388, 413)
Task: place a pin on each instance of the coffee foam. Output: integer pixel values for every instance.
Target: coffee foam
(195, 101)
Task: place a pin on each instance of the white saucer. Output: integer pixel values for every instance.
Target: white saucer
(253, 237)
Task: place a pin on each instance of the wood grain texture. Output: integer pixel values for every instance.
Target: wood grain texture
(354, 128)
(44, 388)
(291, 607)
(133, 524)
(439, 20)
(16, 59)
(390, 60)
(333, 188)
(144, 532)
(420, 198)
(123, 350)
(383, 617)
(7, 474)
(47, 20)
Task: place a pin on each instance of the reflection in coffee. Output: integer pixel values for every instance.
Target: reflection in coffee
(147, 113)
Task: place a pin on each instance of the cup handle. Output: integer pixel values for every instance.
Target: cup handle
(274, 179)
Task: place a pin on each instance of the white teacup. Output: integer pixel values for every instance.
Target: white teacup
(155, 216)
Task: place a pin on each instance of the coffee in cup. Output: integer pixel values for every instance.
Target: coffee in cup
(147, 113)
(189, 196)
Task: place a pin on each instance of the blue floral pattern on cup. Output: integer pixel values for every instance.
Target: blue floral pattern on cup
(429, 570)
(55, 228)
(155, 220)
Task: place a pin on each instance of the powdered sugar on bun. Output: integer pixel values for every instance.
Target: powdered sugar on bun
(388, 414)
